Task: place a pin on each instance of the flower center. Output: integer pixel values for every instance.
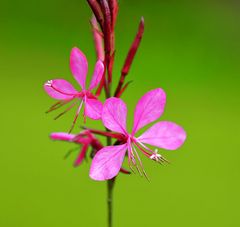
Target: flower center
(88, 94)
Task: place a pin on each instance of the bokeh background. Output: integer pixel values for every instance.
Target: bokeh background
(190, 49)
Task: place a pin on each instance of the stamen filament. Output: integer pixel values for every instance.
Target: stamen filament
(70, 152)
(145, 147)
(140, 162)
(65, 111)
(76, 116)
(130, 158)
(64, 93)
(135, 163)
(141, 149)
(58, 105)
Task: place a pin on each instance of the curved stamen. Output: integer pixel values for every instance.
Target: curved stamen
(141, 149)
(140, 162)
(159, 158)
(131, 159)
(84, 111)
(70, 152)
(76, 116)
(65, 111)
(134, 161)
(58, 105)
(49, 83)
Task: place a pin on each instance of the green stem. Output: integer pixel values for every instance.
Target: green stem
(110, 186)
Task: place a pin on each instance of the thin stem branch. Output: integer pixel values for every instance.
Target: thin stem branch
(105, 12)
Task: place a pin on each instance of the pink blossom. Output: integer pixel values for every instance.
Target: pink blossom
(62, 90)
(84, 138)
(80, 139)
(166, 135)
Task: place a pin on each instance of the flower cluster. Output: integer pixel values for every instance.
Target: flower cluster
(108, 160)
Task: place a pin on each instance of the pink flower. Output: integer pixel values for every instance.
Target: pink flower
(80, 139)
(167, 135)
(64, 91)
(87, 140)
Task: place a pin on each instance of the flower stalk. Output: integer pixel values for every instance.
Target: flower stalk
(110, 186)
(105, 12)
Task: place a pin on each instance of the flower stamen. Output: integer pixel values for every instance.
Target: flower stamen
(157, 157)
(49, 83)
(65, 111)
(58, 105)
(70, 152)
(141, 165)
(76, 116)
(130, 160)
(141, 149)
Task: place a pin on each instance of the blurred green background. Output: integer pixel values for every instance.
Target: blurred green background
(190, 49)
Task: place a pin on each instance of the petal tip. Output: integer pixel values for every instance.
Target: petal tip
(97, 177)
(75, 51)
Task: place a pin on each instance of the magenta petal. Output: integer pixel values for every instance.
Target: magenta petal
(166, 135)
(60, 89)
(97, 74)
(79, 66)
(114, 115)
(81, 155)
(62, 136)
(149, 108)
(93, 109)
(107, 162)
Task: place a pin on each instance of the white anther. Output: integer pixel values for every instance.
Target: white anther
(155, 156)
(49, 83)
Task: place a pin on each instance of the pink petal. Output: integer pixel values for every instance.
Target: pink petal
(97, 74)
(93, 109)
(107, 162)
(167, 135)
(79, 66)
(60, 89)
(149, 108)
(62, 136)
(114, 115)
(81, 155)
